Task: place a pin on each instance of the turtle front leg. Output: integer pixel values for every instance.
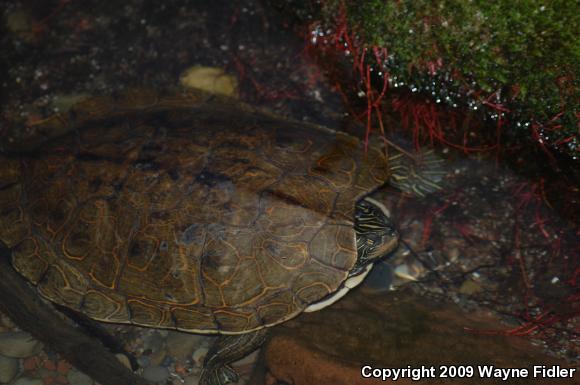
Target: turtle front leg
(225, 350)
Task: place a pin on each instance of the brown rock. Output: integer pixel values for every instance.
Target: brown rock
(394, 330)
(290, 361)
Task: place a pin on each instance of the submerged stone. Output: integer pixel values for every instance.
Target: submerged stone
(393, 331)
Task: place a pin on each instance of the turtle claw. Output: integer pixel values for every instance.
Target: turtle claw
(218, 376)
(227, 349)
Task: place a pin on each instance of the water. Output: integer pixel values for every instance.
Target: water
(482, 251)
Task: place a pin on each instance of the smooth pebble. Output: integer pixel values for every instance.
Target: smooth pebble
(154, 341)
(8, 369)
(191, 379)
(6, 321)
(144, 361)
(6, 324)
(124, 360)
(199, 356)
(75, 377)
(181, 345)
(155, 373)
(18, 345)
(210, 79)
(28, 381)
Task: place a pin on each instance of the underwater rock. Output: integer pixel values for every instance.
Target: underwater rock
(199, 356)
(289, 359)
(156, 373)
(8, 369)
(392, 330)
(470, 287)
(19, 22)
(63, 102)
(124, 360)
(75, 377)
(18, 345)
(28, 381)
(210, 79)
(6, 323)
(192, 379)
(182, 345)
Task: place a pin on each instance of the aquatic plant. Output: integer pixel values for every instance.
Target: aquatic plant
(517, 60)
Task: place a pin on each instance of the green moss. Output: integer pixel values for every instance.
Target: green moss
(489, 46)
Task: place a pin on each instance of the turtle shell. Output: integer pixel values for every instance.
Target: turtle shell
(185, 211)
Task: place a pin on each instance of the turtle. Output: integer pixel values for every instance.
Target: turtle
(193, 212)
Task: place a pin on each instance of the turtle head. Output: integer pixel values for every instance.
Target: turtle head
(376, 236)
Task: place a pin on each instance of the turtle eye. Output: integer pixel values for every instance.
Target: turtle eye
(364, 207)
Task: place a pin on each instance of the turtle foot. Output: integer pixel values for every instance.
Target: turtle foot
(218, 376)
(225, 350)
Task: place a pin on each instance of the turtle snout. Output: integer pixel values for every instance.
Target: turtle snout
(390, 241)
(385, 243)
